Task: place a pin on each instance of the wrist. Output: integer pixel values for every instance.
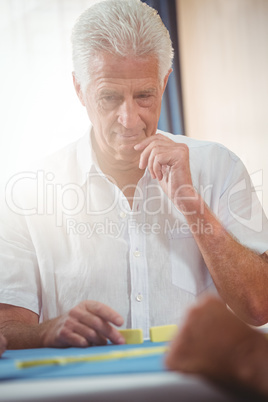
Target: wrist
(44, 334)
(187, 200)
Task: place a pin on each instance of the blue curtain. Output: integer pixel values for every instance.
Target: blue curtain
(171, 118)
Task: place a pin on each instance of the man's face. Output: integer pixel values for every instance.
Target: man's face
(123, 102)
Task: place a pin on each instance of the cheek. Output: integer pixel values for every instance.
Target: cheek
(94, 115)
(153, 116)
(104, 123)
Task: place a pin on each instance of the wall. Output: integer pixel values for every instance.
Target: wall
(224, 56)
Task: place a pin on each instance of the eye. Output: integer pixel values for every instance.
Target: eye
(109, 98)
(145, 100)
(108, 102)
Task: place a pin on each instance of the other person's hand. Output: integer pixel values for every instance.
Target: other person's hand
(3, 344)
(216, 344)
(89, 323)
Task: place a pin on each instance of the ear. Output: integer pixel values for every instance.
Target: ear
(78, 89)
(166, 80)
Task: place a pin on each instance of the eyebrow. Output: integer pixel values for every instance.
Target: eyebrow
(147, 91)
(108, 92)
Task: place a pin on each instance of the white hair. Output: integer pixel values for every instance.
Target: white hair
(122, 28)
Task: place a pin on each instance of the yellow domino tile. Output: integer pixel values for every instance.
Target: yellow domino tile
(163, 333)
(132, 336)
(113, 355)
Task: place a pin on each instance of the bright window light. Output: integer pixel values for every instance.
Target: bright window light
(40, 111)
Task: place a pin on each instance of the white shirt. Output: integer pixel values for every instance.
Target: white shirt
(73, 236)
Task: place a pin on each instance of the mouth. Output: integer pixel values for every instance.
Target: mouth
(129, 138)
(130, 135)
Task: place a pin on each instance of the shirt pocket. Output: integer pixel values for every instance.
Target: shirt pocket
(188, 269)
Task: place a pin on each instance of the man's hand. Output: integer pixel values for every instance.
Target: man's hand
(3, 344)
(216, 344)
(168, 162)
(89, 323)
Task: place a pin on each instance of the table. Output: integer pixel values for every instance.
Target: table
(142, 378)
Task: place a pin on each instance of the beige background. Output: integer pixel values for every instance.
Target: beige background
(224, 57)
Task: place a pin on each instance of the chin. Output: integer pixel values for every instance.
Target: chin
(127, 153)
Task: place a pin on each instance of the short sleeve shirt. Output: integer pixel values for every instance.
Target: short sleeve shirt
(68, 234)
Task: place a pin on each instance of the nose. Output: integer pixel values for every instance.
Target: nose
(128, 114)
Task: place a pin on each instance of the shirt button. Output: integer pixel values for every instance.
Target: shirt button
(137, 253)
(122, 214)
(139, 297)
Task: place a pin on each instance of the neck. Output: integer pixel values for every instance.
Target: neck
(125, 174)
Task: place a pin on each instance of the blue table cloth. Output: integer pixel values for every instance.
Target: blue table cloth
(142, 364)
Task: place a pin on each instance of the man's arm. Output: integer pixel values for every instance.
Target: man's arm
(88, 323)
(240, 275)
(214, 343)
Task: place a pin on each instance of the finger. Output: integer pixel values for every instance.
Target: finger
(90, 334)
(67, 337)
(97, 331)
(97, 316)
(160, 163)
(146, 155)
(144, 143)
(151, 161)
(74, 333)
(161, 168)
(165, 172)
(104, 312)
(156, 147)
(101, 329)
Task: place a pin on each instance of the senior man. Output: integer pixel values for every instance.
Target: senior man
(128, 225)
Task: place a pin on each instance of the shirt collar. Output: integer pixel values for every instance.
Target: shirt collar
(86, 157)
(87, 160)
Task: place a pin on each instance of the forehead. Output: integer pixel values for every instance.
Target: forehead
(107, 68)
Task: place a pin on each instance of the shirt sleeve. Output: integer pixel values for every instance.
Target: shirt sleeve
(20, 279)
(240, 209)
